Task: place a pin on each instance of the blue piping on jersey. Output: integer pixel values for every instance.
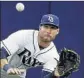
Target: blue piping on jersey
(33, 41)
(6, 48)
(44, 52)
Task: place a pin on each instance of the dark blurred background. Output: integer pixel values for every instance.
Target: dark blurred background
(70, 13)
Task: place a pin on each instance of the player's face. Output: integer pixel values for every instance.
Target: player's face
(48, 32)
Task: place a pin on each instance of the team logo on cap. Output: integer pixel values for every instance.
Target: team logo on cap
(50, 18)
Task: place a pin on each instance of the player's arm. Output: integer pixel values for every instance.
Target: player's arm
(49, 70)
(54, 74)
(68, 63)
(9, 46)
(3, 55)
(5, 65)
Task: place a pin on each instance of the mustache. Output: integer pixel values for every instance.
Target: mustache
(48, 35)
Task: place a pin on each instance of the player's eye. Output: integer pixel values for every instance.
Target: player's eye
(46, 26)
(52, 27)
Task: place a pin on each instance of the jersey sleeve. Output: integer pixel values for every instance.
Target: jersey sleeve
(15, 41)
(10, 45)
(50, 65)
(52, 62)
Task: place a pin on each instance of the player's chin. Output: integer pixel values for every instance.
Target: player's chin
(48, 39)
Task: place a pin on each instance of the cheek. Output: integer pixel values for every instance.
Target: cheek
(42, 30)
(54, 33)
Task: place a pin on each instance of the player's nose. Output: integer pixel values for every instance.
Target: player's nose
(49, 30)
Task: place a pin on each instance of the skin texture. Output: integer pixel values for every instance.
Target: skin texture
(47, 33)
(3, 61)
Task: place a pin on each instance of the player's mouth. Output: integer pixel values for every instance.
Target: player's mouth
(47, 36)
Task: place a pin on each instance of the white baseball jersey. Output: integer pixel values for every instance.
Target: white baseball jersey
(24, 51)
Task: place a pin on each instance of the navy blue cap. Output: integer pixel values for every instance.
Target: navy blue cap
(50, 19)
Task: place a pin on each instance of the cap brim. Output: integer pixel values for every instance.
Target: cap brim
(48, 23)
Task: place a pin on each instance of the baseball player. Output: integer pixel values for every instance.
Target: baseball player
(31, 48)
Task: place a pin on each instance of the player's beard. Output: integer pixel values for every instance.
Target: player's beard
(47, 38)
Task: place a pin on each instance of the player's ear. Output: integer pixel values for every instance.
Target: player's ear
(57, 31)
(40, 27)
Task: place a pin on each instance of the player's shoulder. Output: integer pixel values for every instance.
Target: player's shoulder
(54, 46)
(54, 52)
(25, 31)
(21, 33)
